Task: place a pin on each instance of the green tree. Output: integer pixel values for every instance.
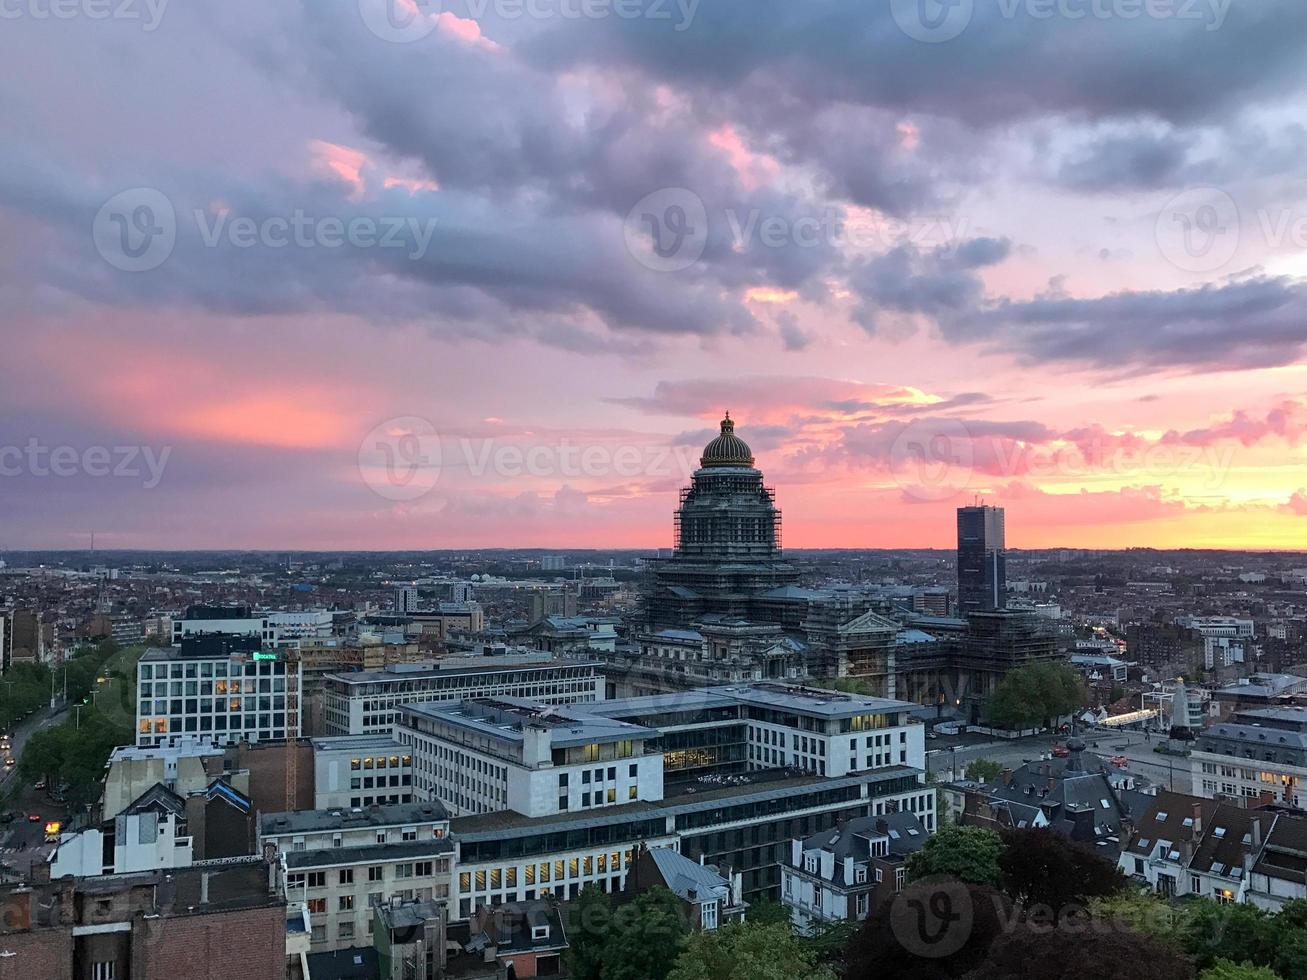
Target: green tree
(967, 853)
(747, 951)
(588, 923)
(1035, 695)
(768, 913)
(1227, 970)
(983, 770)
(1144, 913)
(1239, 933)
(645, 939)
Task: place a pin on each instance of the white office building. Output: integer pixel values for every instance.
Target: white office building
(537, 760)
(360, 771)
(367, 702)
(206, 693)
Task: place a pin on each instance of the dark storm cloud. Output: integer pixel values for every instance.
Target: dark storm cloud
(1258, 322)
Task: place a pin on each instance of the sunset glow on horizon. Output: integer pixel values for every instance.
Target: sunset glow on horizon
(462, 281)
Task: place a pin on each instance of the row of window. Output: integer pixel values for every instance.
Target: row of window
(210, 668)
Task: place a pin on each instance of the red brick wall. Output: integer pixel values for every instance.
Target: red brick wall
(44, 954)
(247, 945)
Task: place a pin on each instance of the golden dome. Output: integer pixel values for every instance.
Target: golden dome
(727, 449)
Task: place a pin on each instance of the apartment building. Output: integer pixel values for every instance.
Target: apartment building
(218, 689)
(845, 872)
(1185, 845)
(1258, 751)
(510, 754)
(341, 863)
(367, 702)
(361, 771)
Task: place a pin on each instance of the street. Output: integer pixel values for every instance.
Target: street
(1170, 772)
(21, 841)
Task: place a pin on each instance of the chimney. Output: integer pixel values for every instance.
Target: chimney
(204, 888)
(1257, 834)
(1006, 777)
(1198, 820)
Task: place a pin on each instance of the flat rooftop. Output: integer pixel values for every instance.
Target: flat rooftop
(487, 826)
(801, 700)
(185, 750)
(386, 744)
(459, 666)
(355, 818)
(505, 719)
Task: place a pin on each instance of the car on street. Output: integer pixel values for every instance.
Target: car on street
(1060, 751)
(1120, 761)
(40, 784)
(34, 818)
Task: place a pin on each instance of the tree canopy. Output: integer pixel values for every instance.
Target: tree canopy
(1042, 867)
(1035, 695)
(747, 951)
(967, 853)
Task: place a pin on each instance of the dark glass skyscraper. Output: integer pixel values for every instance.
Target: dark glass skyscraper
(982, 559)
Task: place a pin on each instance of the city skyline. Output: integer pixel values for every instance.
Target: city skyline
(911, 287)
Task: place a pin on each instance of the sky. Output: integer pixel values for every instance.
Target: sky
(394, 274)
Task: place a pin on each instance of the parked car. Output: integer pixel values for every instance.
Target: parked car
(1120, 761)
(1060, 751)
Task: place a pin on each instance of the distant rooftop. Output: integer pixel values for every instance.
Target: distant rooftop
(804, 700)
(457, 666)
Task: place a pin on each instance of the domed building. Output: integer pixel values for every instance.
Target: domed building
(727, 541)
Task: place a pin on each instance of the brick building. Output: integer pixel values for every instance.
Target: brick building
(218, 922)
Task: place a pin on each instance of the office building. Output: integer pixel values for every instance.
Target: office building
(367, 702)
(273, 629)
(722, 731)
(745, 824)
(351, 771)
(982, 559)
(216, 688)
(538, 760)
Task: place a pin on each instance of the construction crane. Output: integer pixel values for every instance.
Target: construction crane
(292, 725)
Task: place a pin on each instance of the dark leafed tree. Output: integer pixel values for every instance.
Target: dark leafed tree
(930, 931)
(1045, 952)
(1042, 867)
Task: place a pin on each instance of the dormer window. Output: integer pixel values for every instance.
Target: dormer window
(860, 876)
